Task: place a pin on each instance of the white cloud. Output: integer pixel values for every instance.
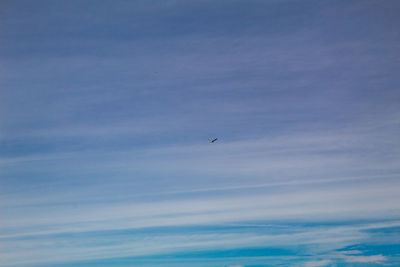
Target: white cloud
(353, 255)
(199, 212)
(351, 252)
(357, 202)
(348, 256)
(365, 259)
(317, 263)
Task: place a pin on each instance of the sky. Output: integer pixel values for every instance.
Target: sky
(106, 108)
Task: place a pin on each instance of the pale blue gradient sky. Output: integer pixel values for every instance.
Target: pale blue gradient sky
(106, 108)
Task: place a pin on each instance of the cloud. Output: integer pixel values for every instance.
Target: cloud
(309, 203)
(317, 263)
(350, 259)
(106, 131)
(365, 259)
(100, 244)
(347, 256)
(351, 252)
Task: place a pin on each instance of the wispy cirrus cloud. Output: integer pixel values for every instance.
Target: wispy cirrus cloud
(105, 112)
(128, 242)
(317, 263)
(343, 256)
(365, 259)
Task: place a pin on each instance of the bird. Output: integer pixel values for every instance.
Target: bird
(212, 140)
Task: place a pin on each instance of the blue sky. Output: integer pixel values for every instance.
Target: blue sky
(106, 108)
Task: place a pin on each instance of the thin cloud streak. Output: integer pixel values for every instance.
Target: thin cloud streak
(318, 263)
(319, 240)
(315, 204)
(106, 108)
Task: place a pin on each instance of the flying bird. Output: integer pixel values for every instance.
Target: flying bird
(212, 140)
